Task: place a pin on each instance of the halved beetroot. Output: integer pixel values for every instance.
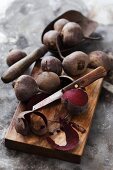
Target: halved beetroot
(75, 100)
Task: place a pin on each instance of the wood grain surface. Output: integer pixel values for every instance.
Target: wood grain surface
(38, 145)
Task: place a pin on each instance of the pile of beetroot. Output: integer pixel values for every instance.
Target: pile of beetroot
(64, 37)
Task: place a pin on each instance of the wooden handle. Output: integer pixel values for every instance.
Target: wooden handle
(88, 78)
(19, 67)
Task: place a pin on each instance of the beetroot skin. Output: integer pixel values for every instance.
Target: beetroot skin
(72, 137)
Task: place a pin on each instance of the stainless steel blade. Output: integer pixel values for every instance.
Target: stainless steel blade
(48, 100)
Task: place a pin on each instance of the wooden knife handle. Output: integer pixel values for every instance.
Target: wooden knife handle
(19, 67)
(88, 78)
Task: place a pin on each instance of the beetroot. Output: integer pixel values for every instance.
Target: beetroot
(75, 101)
(75, 63)
(59, 24)
(48, 81)
(72, 34)
(99, 58)
(52, 64)
(49, 39)
(14, 56)
(25, 87)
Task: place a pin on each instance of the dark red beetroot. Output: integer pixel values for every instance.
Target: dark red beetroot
(49, 39)
(59, 24)
(75, 101)
(14, 56)
(25, 88)
(52, 64)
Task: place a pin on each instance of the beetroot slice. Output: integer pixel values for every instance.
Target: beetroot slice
(72, 138)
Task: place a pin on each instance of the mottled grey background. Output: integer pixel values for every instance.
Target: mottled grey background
(21, 28)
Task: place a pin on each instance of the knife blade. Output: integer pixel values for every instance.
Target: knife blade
(48, 100)
(81, 82)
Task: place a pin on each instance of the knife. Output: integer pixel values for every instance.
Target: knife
(81, 82)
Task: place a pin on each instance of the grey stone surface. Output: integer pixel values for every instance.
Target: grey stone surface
(21, 28)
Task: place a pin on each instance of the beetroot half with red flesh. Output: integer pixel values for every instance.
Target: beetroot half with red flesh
(75, 101)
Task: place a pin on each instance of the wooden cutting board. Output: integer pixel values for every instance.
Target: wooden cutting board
(38, 145)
